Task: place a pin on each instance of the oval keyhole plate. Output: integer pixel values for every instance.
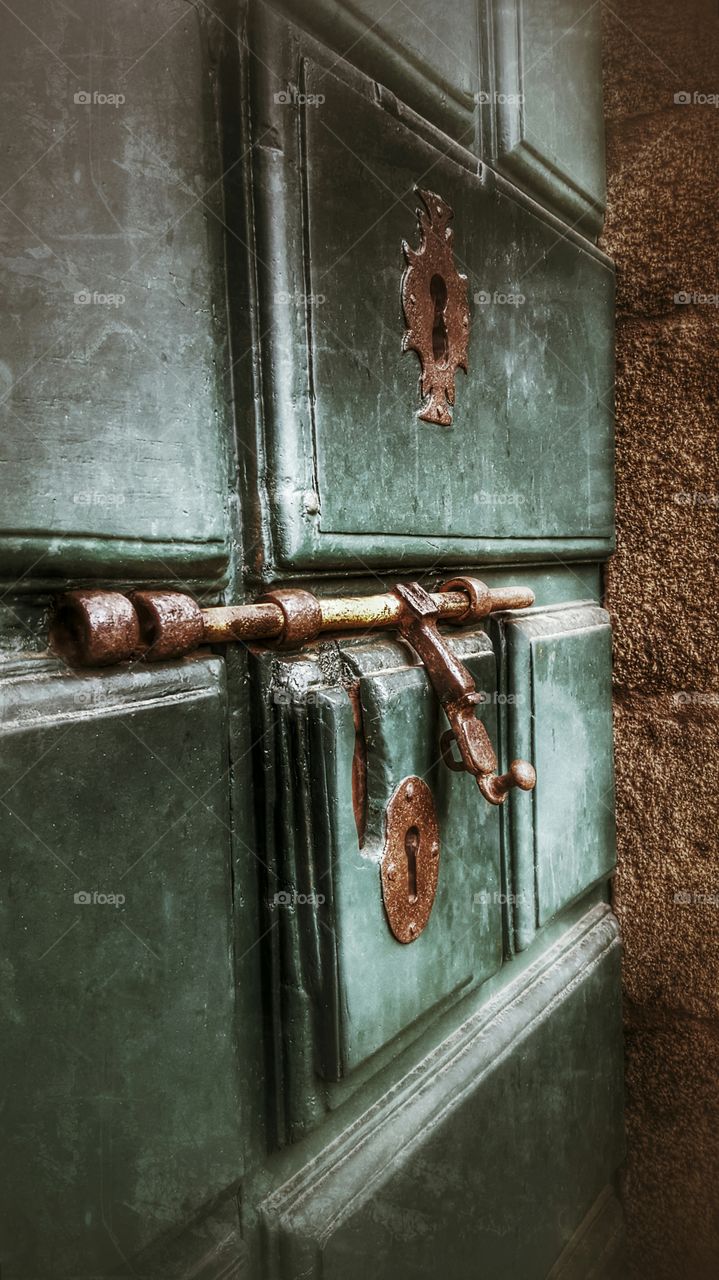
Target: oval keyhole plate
(410, 861)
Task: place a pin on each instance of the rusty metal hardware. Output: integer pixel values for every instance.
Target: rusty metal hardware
(436, 309)
(99, 628)
(410, 862)
(455, 689)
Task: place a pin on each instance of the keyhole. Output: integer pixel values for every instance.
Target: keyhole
(440, 344)
(411, 848)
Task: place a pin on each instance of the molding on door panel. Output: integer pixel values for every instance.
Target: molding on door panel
(378, 51)
(597, 1250)
(509, 140)
(568, 736)
(374, 1157)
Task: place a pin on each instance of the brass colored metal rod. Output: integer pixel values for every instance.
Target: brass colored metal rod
(242, 622)
(265, 621)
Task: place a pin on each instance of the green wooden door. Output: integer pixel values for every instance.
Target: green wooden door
(218, 1061)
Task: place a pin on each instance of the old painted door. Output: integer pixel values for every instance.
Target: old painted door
(218, 1061)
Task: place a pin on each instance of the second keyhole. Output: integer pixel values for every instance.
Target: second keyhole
(411, 848)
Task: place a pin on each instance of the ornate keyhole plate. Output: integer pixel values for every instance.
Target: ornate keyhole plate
(410, 862)
(436, 309)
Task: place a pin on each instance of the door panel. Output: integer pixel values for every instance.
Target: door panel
(114, 454)
(431, 63)
(526, 465)
(559, 670)
(325, 896)
(485, 1159)
(541, 103)
(123, 1120)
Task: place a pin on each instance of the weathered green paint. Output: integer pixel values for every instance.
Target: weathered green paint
(430, 63)
(559, 673)
(204, 1080)
(490, 1150)
(114, 452)
(541, 107)
(363, 988)
(515, 82)
(119, 1060)
(527, 466)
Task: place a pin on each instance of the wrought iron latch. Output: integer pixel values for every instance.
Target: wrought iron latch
(455, 687)
(96, 628)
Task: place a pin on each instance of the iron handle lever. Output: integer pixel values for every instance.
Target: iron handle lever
(97, 628)
(455, 687)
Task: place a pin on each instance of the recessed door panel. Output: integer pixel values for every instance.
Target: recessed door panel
(526, 463)
(118, 1064)
(325, 897)
(541, 103)
(485, 1160)
(111, 401)
(560, 715)
(428, 55)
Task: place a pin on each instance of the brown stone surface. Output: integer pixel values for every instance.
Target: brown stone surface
(664, 583)
(670, 1191)
(663, 231)
(667, 889)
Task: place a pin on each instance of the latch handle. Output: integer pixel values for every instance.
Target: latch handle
(454, 685)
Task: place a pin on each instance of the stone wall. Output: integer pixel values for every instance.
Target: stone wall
(662, 586)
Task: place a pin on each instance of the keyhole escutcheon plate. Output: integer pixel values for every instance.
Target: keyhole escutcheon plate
(436, 309)
(410, 860)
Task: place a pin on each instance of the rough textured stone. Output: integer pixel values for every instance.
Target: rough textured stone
(662, 230)
(663, 174)
(670, 1189)
(655, 50)
(667, 890)
(663, 583)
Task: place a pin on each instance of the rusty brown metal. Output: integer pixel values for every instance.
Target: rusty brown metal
(111, 628)
(520, 774)
(455, 687)
(359, 764)
(436, 309)
(94, 628)
(409, 868)
(171, 624)
(242, 622)
(301, 613)
(484, 599)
